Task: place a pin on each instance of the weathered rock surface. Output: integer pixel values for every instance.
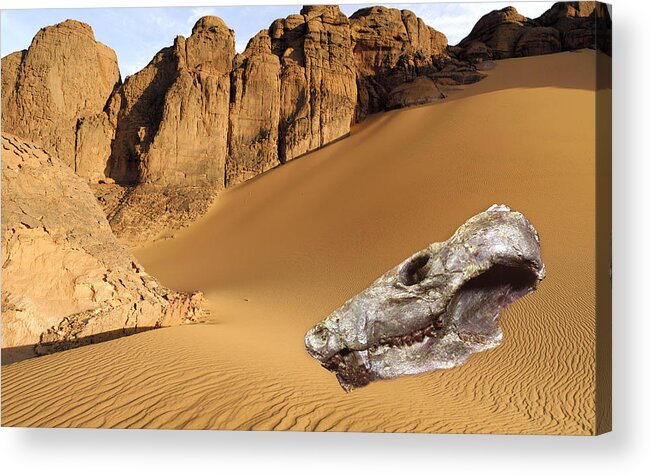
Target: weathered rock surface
(10, 69)
(64, 76)
(167, 132)
(421, 90)
(139, 103)
(581, 25)
(255, 112)
(299, 84)
(148, 212)
(66, 280)
(497, 31)
(171, 118)
(391, 47)
(436, 308)
(317, 88)
(537, 41)
(198, 118)
(189, 146)
(566, 26)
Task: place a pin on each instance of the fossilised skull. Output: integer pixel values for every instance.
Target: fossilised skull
(436, 308)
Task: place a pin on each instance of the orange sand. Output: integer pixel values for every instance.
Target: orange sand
(279, 253)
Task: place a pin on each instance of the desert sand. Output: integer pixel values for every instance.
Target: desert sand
(277, 254)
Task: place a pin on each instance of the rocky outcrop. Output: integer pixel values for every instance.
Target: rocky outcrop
(198, 118)
(303, 82)
(94, 138)
(148, 212)
(9, 76)
(139, 103)
(172, 119)
(391, 47)
(189, 146)
(580, 24)
(537, 41)
(497, 33)
(66, 279)
(317, 87)
(64, 77)
(421, 90)
(167, 131)
(566, 26)
(255, 112)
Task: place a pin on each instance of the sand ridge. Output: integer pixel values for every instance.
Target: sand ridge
(277, 254)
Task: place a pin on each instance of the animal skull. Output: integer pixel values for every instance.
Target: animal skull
(437, 307)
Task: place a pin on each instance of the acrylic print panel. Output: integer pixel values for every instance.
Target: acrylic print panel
(389, 218)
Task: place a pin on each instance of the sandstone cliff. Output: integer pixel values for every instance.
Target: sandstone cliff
(580, 24)
(317, 89)
(255, 112)
(293, 90)
(66, 280)
(64, 77)
(303, 82)
(392, 47)
(168, 130)
(566, 26)
(199, 118)
(189, 143)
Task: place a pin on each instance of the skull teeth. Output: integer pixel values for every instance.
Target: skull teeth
(430, 331)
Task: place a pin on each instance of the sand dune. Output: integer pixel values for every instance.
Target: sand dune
(277, 254)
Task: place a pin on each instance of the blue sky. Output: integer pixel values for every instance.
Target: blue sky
(136, 34)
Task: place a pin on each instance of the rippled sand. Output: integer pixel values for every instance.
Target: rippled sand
(282, 251)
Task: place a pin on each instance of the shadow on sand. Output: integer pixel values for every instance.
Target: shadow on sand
(21, 353)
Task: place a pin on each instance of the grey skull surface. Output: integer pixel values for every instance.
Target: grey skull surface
(437, 307)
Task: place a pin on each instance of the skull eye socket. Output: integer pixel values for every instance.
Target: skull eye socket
(414, 270)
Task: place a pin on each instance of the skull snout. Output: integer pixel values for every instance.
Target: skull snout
(321, 343)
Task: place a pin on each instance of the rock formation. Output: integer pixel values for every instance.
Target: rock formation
(199, 118)
(167, 127)
(10, 68)
(496, 33)
(293, 90)
(392, 47)
(66, 280)
(421, 90)
(317, 89)
(188, 146)
(146, 212)
(580, 24)
(566, 26)
(64, 77)
(255, 112)
(437, 307)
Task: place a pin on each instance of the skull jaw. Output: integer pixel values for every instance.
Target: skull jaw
(472, 317)
(357, 369)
